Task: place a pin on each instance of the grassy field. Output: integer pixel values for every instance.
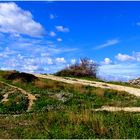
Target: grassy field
(66, 111)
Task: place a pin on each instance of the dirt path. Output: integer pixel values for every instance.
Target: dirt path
(118, 109)
(5, 99)
(31, 97)
(130, 90)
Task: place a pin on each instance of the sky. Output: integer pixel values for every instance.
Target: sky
(44, 37)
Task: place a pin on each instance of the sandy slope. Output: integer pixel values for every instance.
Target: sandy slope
(130, 90)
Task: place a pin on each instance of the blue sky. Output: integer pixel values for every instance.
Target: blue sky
(44, 37)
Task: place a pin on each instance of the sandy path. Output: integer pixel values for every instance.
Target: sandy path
(118, 109)
(31, 97)
(5, 97)
(130, 90)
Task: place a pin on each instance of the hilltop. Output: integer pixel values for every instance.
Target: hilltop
(47, 106)
(135, 82)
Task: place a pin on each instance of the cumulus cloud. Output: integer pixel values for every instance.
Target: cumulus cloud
(62, 29)
(108, 43)
(107, 61)
(59, 39)
(15, 20)
(60, 60)
(120, 72)
(124, 57)
(52, 34)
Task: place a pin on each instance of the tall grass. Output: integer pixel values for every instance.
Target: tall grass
(73, 118)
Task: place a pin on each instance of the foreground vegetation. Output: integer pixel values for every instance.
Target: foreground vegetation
(66, 111)
(15, 103)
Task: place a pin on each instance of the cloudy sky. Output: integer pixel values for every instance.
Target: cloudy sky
(44, 37)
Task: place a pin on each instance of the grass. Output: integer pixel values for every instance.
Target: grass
(16, 103)
(72, 125)
(66, 111)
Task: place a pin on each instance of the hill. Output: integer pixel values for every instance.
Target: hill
(63, 110)
(18, 76)
(135, 82)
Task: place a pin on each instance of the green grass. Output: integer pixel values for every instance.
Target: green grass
(17, 102)
(66, 111)
(72, 125)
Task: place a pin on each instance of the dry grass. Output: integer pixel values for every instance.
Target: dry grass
(83, 117)
(99, 128)
(2, 85)
(40, 84)
(51, 85)
(98, 91)
(16, 81)
(121, 93)
(51, 116)
(79, 87)
(86, 117)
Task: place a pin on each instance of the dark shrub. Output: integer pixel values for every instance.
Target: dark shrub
(85, 68)
(25, 77)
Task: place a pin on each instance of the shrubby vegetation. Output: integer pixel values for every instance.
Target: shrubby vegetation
(19, 76)
(85, 68)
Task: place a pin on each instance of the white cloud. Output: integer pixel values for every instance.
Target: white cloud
(44, 54)
(119, 72)
(124, 57)
(30, 68)
(19, 53)
(49, 61)
(137, 56)
(52, 34)
(73, 61)
(108, 43)
(15, 20)
(20, 56)
(60, 60)
(59, 39)
(52, 16)
(62, 29)
(3, 55)
(107, 61)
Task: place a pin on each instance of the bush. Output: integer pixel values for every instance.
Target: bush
(86, 68)
(24, 77)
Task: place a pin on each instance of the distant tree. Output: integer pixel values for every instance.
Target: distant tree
(85, 68)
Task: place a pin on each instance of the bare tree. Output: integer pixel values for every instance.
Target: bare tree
(86, 68)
